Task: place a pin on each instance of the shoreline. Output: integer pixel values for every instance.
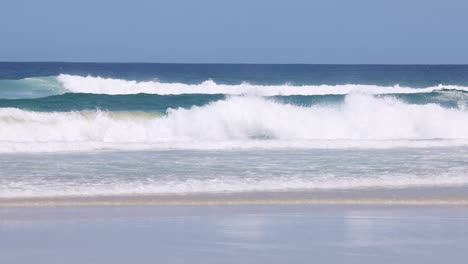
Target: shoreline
(425, 196)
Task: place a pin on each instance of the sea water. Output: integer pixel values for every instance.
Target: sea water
(89, 130)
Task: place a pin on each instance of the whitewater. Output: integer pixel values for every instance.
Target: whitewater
(238, 122)
(99, 85)
(35, 87)
(89, 131)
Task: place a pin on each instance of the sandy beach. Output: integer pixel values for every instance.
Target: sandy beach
(234, 234)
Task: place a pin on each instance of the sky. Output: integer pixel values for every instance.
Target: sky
(236, 31)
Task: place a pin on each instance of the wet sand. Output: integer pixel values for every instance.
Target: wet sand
(234, 234)
(440, 195)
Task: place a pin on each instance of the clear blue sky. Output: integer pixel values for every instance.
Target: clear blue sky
(227, 31)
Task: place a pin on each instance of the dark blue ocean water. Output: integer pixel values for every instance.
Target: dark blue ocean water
(296, 74)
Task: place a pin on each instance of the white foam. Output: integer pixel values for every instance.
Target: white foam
(239, 122)
(223, 185)
(99, 85)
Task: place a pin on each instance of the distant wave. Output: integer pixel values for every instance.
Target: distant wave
(239, 122)
(37, 87)
(99, 85)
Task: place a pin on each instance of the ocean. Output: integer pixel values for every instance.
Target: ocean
(91, 130)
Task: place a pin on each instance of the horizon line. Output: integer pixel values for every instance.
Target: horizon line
(240, 63)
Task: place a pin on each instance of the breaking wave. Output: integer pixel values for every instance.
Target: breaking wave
(99, 85)
(239, 122)
(37, 87)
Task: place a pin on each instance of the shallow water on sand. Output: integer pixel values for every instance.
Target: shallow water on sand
(176, 172)
(234, 234)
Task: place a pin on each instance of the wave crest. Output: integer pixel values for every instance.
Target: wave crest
(99, 85)
(238, 122)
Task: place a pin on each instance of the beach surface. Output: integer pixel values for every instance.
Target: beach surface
(426, 196)
(234, 234)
